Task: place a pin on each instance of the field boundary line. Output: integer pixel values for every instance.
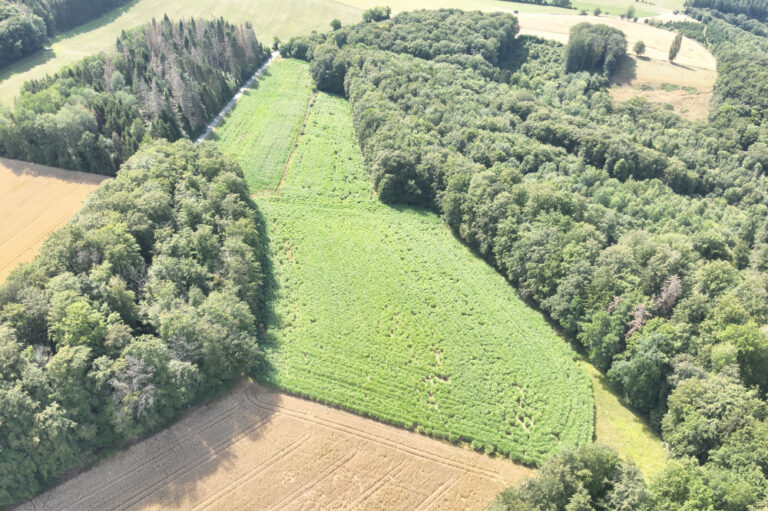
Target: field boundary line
(296, 143)
(413, 451)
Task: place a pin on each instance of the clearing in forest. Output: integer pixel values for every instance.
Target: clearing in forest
(383, 312)
(686, 84)
(261, 131)
(257, 448)
(35, 200)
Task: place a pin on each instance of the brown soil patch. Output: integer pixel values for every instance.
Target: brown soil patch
(694, 67)
(258, 448)
(35, 200)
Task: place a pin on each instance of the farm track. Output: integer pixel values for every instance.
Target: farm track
(35, 200)
(296, 144)
(257, 448)
(234, 99)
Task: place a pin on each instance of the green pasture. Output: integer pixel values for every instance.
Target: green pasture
(262, 130)
(383, 312)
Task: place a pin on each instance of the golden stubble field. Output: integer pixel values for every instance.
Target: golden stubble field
(257, 448)
(686, 84)
(35, 200)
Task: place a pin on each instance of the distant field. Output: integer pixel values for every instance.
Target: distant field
(686, 84)
(383, 312)
(35, 200)
(281, 18)
(262, 130)
(260, 449)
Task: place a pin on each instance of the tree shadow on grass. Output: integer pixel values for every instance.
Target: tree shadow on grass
(99, 22)
(41, 57)
(269, 321)
(626, 72)
(22, 66)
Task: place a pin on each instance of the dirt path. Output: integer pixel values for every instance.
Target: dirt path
(234, 99)
(35, 200)
(257, 448)
(686, 84)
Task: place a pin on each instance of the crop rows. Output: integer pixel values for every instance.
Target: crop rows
(261, 131)
(381, 311)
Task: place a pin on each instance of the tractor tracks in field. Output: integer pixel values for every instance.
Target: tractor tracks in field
(296, 143)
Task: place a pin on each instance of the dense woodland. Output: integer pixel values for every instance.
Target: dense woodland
(642, 235)
(148, 301)
(25, 25)
(164, 80)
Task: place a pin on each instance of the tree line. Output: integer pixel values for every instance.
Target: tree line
(147, 302)
(164, 80)
(644, 236)
(26, 25)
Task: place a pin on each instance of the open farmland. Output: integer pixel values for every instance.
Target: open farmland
(686, 84)
(260, 133)
(269, 18)
(382, 312)
(35, 200)
(260, 449)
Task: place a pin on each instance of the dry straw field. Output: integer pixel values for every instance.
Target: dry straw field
(686, 84)
(35, 200)
(257, 448)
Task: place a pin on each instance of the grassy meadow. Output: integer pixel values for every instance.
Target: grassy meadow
(263, 129)
(340, 257)
(270, 18)
(383, 312)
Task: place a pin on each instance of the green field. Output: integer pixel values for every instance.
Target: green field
(281, 18)
(623, 429)
(383, 312)
(262, 130)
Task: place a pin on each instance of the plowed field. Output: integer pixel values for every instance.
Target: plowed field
(257, 448)
(34, 201)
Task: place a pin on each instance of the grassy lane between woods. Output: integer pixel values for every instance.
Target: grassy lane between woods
(262, 129)
(619, 427)
(382, 311)
(377, 308)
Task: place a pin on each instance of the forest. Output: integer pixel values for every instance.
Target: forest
(164, 80)
(642, 235)
(26, 25)
(147, 302)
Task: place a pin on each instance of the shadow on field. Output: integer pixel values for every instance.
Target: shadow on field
(25, 64)
(181, 462)
(174, 468)
(626, 72)
(99, 22)
(270, 320)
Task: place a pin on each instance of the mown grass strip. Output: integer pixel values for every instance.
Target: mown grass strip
(260, 132)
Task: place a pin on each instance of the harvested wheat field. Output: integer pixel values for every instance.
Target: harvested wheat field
(686, 84)
(35, 200)
(257, 448)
